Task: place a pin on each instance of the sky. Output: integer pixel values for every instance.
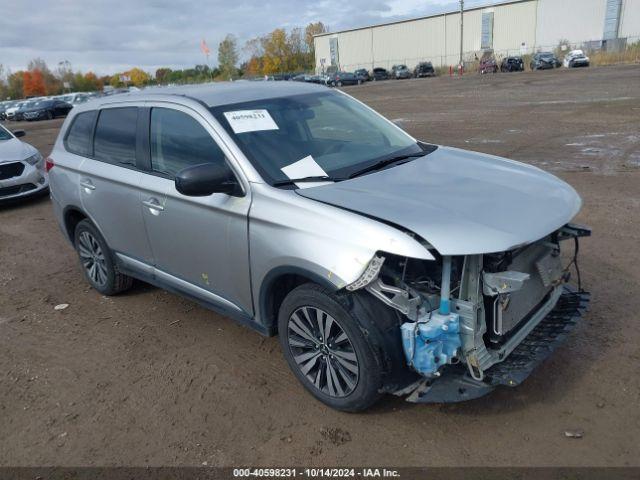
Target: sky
(109, 36)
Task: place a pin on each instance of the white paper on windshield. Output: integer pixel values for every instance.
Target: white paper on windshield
(242, 121)
(307, 167)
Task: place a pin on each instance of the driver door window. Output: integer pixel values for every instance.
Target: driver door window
(178, 141)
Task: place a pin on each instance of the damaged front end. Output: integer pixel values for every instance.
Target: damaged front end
(471, 323)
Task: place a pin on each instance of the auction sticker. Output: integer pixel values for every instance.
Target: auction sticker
(242, 121)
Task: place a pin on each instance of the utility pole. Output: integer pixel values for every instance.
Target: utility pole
(461, 28)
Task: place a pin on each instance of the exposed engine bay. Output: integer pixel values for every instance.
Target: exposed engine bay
(473, 311)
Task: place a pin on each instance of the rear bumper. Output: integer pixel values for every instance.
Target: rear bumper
(455, 383)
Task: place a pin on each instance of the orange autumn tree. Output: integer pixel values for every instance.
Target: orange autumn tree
(33, 84)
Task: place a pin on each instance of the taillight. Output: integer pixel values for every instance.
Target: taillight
(48, 164)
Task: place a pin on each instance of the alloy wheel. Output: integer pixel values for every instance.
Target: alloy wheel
(322, 351)
(92, 258)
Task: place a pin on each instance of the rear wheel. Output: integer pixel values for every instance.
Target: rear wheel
(323, 342)
(97, 261)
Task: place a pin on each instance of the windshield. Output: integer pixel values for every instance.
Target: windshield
(4, 134)
(341, 135)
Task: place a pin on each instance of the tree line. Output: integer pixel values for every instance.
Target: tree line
(279, 51)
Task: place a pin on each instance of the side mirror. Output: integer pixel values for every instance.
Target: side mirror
(19, 133)
(206, 179)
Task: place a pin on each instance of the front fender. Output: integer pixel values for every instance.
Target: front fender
(332, 244)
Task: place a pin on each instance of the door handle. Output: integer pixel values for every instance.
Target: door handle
(153, 205)
(88, 184)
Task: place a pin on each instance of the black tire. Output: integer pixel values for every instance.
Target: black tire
(114, 282)
(339, 83)
(49, 115)
(353, 317)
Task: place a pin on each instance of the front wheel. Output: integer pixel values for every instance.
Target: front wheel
(323, 342)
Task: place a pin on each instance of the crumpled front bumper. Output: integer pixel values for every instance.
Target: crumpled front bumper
(456, 385)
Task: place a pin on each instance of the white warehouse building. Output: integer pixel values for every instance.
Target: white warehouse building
(508, 28)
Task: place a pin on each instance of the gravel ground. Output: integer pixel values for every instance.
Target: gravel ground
(148, 378)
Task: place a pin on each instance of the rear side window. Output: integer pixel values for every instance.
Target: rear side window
(115, 138)
(179, 141)
(78, 139)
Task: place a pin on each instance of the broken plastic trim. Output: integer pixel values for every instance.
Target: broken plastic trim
(404, 301)
(369, 275)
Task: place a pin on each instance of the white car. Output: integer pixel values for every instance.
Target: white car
(22, 168)
(10, 112)
(575, 58)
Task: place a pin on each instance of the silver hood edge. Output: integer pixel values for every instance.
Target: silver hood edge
(460, 202)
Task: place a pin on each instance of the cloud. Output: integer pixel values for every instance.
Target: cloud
(115, 35)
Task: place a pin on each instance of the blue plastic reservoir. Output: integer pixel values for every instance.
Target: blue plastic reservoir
(431, 344)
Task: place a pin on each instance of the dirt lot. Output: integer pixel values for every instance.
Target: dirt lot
(148, 378)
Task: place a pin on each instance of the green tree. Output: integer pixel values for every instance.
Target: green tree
(298, 58)
(277, 52)
(228, 57)
(4, 91)
(313, 29)
(115, 82)
(15, 84)
(162, 74)
(139, 77)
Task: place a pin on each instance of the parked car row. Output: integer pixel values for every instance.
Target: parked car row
(401, 71)
(539, 61)
(42, 108)
(488, 64)
(362, 75)
(35, 109)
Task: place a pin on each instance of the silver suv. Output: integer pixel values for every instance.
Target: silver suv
(383, 263)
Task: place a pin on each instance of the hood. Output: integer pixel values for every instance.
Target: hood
(461, 202)
(14, 149)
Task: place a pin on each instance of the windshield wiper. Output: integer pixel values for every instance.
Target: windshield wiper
(385, 162)
(317, 178)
